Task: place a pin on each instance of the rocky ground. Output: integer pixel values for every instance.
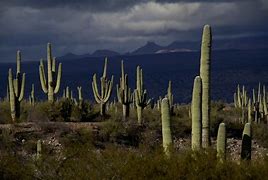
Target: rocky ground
(51, 134)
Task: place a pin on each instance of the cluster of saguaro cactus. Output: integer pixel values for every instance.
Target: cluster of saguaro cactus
(106, 89)
(32, 97)
(256, 108)
(140, 95)
(124, 94)
(67, 93)
(166, 128)
(241, 100)
(51, 85)
(16, 89)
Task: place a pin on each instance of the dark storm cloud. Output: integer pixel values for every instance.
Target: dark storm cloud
(84, 26)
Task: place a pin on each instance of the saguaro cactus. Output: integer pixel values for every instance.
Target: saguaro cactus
(205, 76)
(124, 94)
(38, 149)
(140, 95)
(80, 97)
(170, 97)
(166, 131)
(197, 114)
(51, 85)
(221, 142)
(246, 142)
(106, 89)
(16, 89)
(32, 97)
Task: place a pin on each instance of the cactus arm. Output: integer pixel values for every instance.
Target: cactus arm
(49, 68)
(18, 61)
(95, 93)
(109, 90)
(54, 64)
(22, 87)
(105, 68)
(57, 88)
(42, 79)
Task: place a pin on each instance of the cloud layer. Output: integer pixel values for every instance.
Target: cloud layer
(120, 25)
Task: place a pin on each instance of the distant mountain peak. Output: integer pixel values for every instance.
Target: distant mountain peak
(104, 53)
(149, 48)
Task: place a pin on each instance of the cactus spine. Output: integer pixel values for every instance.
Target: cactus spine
(246, 142)
(197, 114)
(16, 89)
(32, 97)
(50, 85)
(205, 76)
(166, 131)
(140, 95)
(221, 142)
(124, 94)
(106, 89)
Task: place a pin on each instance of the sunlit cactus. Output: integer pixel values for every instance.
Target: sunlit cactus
(50, 85)
(124, 94)
(197, 114)
(105, 87)
(166, 129)
(205, 76)
(140, 95)
(16, 89)
(221, 142)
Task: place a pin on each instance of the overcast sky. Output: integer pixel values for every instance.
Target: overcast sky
(82, 26)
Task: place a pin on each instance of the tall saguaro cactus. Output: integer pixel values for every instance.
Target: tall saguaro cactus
(16, 89)
(140, 95)
(124, 94)
(197, 114)
(51, 85)
(166, 131)
(205, 62)
(106, 89)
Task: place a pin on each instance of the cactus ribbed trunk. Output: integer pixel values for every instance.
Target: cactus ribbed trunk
(139, 114)
(197, 114)
(205, 76)
(166, 131)
(125, 111)
(102, 109)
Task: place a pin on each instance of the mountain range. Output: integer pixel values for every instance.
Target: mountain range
(241, 43)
